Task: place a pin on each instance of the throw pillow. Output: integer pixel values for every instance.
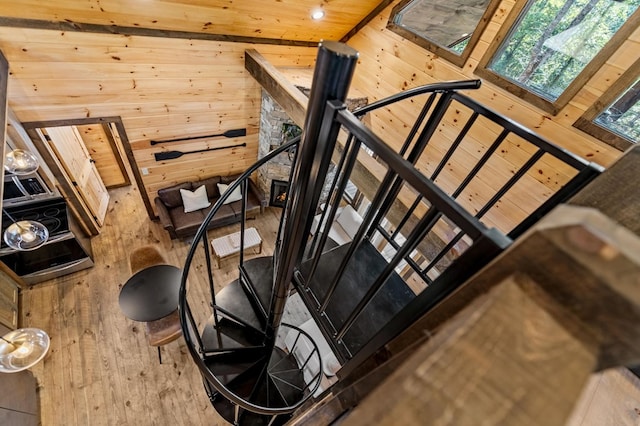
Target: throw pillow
(350, 220)
(236, 195)
(194, 200)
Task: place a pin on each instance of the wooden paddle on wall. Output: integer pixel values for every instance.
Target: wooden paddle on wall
(170, 155)
(234, 133)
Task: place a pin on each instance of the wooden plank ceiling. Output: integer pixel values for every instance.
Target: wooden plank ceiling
(275, 20)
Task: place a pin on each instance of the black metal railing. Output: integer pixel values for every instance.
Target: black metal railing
(430, 233)
(429, 212)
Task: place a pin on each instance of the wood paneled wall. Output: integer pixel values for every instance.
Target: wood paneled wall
(389, 64)
(166, 88)
(162, 88)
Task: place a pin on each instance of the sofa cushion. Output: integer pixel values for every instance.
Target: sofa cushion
(337, 234)
(185, 221)
(171, 197)
(349, 220)
(212, 186)
(224, 214)
(236, 195)
(195, 200)
(228, 179)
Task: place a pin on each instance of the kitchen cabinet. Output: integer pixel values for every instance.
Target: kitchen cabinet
(10, 285)
(8, 300)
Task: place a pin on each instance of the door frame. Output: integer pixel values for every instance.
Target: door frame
(31, 129)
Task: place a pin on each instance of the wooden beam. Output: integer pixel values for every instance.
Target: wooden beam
(288, 96)
(143, 32)
(360, 25)
(615, 191)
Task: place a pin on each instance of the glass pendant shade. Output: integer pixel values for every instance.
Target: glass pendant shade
(22, 348)
(26, 235)
(20, 162)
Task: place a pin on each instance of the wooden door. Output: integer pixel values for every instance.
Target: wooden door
(72, 153)
(102, 146)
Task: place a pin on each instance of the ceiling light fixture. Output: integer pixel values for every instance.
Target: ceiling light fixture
(20, 162)
(24, 235)
(21, 349)
(317, 14)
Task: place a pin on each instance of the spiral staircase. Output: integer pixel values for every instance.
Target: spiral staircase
(258, 369)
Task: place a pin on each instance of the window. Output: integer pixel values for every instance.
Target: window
(614, 118)
(551, 48)
(449, 28)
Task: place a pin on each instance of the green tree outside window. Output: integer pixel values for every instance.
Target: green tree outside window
(553, 40)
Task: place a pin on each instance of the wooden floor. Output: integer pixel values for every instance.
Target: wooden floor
(100, 369)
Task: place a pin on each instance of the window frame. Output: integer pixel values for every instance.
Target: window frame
(581, 79)
(451, 56)
(587, 123)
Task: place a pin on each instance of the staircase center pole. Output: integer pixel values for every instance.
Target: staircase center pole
(334, 69)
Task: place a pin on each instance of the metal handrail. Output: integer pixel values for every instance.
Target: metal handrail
(442, 87)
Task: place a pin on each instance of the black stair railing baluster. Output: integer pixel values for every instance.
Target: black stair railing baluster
(331, 204)
(584, 176)
(423, 140)
(416, 125)
(244, 191)
(406, 217)
(205, 245)
(510, 183)
(424, 226)
(483, 160)
(367, 220)
(442, 253)
(191, 321)
(391, 240)
(351, 161)
(454, 145)
(430, 126)
(276, 249)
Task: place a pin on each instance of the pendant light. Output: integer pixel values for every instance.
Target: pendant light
(20, 162)
(23, 348)
(25, 235)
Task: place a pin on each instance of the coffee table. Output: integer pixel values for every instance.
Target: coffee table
(229, 245)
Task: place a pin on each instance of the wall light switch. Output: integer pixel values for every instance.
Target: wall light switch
(145, 171)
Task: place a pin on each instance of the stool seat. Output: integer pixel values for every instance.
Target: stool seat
(165, 330)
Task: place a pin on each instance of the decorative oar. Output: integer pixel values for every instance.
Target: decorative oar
(234, 133)
(170, 155)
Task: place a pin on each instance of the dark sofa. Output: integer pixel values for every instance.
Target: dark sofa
(182, 225)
